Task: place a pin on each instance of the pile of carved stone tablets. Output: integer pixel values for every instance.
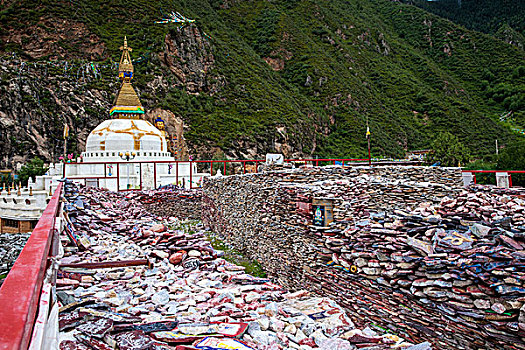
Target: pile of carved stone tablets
(410, 249)
(171, 201)
(464, 257)
(130, 281)
(11, 244)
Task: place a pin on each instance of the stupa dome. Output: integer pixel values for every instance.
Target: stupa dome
(126, 135)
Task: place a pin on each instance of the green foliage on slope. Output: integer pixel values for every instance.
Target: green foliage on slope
(448, 151)
(486, 16)
(410, 73)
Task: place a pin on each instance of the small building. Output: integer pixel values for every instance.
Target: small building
(20, 209)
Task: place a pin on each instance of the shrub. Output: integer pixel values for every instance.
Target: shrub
(35, 167)
(448, 151)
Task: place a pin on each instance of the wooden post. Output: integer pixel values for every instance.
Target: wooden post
(65, 149)
(369, 157)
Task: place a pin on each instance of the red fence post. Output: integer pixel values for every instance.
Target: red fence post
(140, 176)
(118, 177)
(224, 162)
(211, 168)
(510, 179)
(177, 173)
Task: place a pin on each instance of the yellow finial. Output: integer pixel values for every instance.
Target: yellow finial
(125, 68)
(126, 47)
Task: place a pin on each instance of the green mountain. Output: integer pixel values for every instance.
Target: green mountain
(486, 16)
(250, 77)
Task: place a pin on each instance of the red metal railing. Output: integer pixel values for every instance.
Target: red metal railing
(212, 165)
(509, 173)
(20, 292)
(329, 160)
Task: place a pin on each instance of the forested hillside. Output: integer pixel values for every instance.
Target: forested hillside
(487, 16)
(250, 77)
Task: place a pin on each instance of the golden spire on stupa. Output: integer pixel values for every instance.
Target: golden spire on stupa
(125, 67)
(127, 104)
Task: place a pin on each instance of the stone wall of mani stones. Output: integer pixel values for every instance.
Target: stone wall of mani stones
(410, 250)
(172, 201)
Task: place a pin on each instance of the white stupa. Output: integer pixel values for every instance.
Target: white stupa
(136, 142)
(125, 152)
(126, 132)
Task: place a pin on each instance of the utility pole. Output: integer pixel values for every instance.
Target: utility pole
(497, 150)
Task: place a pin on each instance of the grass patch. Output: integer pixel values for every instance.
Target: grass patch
(253, 267)
(190, 227)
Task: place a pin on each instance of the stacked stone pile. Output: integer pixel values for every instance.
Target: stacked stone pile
(467, 264)
(409, 248)
(11, 244)
(263, 208)
(172, 201)
(129, 280)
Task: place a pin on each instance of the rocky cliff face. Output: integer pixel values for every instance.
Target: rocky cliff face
(48, 37)
(188, 55)
(38, 98)
(174, 128)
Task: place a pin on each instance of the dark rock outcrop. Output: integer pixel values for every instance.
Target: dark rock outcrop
(188, 55)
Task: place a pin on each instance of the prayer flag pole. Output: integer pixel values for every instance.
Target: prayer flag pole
(368, 139)
(66, 135)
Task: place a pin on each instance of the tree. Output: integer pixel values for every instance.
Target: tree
(448, 151)
(513, 158)
(35, 167)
